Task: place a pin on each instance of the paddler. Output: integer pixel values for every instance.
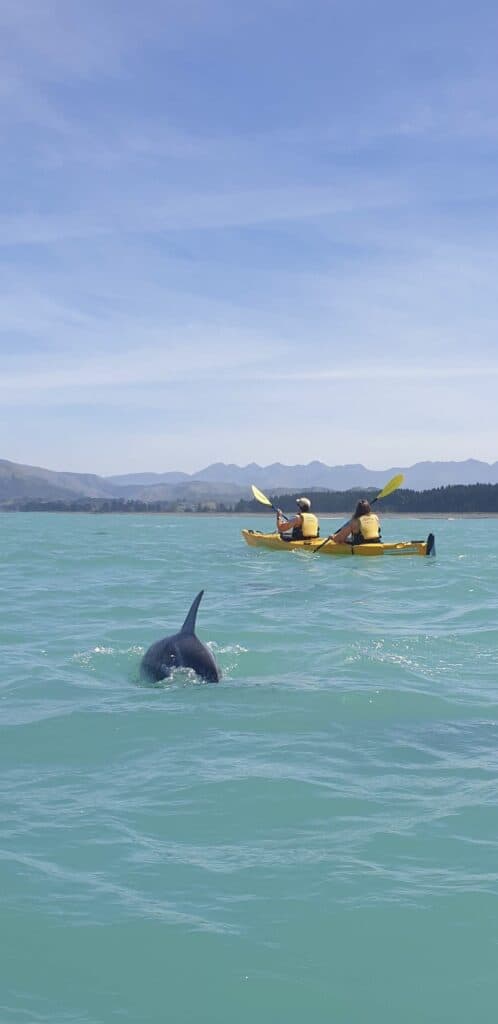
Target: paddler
(304, 526)
(363, 528)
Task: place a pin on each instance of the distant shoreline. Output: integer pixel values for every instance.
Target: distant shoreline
(445, 501)
(323, 516)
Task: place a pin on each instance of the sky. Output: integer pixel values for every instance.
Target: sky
(247, 232)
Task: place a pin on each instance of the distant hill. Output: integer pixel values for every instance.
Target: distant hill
(277, 476)
(190, 490)
(230, 482)
(18, 481)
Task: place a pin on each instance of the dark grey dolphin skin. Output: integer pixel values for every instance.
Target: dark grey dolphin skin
(183, 650)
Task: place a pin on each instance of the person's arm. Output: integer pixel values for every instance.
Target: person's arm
(286, 524)
(342, 535)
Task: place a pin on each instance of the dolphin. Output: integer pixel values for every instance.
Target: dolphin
(183, 650)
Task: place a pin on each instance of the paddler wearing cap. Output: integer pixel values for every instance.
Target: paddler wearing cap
(304, 526)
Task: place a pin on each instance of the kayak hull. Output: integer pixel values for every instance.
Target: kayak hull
(274, 541)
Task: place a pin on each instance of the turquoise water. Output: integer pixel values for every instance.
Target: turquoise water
(316, 836)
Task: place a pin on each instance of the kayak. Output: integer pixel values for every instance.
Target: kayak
(255, 539)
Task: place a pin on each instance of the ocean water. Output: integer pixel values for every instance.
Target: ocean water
(314, 838)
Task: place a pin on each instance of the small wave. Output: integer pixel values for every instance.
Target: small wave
(88, 657)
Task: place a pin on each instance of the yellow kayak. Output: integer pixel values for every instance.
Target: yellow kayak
(402, 547)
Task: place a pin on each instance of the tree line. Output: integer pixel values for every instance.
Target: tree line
(459, 499)
(103, 505)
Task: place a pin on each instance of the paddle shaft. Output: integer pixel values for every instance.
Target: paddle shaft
(275, 509)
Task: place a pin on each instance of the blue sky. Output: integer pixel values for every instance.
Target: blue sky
(235, 233)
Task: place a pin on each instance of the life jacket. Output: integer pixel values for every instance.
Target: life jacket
(369, 532)
(309, 527)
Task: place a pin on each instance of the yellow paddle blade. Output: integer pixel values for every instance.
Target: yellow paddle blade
(391, 486)
(260, 496)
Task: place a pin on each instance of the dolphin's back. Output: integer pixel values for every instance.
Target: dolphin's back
(192, 653)
(183, 650)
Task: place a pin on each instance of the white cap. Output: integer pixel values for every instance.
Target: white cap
(304, 504)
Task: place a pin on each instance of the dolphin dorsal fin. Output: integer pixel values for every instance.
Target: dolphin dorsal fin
(189, 624)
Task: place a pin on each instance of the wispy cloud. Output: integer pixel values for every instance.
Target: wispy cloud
(191, 355)
(194, 211)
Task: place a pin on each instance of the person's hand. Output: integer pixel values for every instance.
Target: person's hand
(280, 513)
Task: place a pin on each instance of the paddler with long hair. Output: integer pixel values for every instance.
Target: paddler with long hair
(304, 525)
(363, 527)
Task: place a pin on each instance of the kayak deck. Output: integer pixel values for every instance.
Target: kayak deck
(274, 541)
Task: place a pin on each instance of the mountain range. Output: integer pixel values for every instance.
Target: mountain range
(223, 482)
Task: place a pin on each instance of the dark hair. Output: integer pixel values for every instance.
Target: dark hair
(362, 508)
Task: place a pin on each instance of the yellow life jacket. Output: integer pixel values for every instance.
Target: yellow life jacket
(309, 527)
(369, 529)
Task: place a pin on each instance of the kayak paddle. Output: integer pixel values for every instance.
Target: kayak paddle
(263, 499)
(388, 489)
